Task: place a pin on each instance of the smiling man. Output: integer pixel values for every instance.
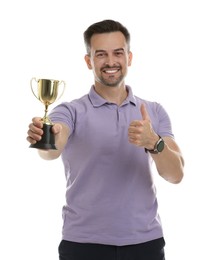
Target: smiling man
(108, 140)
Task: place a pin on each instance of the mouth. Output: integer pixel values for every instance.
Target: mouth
(110, 70)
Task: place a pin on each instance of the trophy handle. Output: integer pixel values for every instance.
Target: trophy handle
(64, 86)
(32, 88)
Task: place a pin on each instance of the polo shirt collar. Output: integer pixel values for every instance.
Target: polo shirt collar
(98, 101)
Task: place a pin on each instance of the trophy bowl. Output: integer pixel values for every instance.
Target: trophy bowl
(47, 92)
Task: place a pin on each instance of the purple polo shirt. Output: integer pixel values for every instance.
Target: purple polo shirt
(110, 196)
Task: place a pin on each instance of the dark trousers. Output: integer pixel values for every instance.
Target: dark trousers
(152, 250)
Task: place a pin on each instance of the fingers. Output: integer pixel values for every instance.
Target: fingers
(135, 127)
(134, 132)
(35, 130)
(134, 139)
(136, 123)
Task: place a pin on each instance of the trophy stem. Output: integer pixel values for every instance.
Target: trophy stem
(46, 119)
(46, 110)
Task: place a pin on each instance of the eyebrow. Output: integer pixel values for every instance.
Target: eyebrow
(119, 49)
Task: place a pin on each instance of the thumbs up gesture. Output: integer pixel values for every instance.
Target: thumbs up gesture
(141, 133)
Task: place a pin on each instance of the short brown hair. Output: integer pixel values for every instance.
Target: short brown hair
(105, 26)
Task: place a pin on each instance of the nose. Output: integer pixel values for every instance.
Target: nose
(110, 60)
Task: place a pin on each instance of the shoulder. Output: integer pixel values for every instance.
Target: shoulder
(67, 112)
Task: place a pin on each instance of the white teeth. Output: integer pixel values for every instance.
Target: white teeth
(111, 71)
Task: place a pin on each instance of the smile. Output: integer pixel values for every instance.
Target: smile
(110, 71)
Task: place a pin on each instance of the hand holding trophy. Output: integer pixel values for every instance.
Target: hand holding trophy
(47, 92)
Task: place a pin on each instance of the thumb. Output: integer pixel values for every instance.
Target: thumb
(56, 128)
(144, 112)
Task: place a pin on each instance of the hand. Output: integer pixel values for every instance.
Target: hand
(35, 131)
(141, 133)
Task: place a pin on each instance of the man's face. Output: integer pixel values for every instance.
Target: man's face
(109, 58)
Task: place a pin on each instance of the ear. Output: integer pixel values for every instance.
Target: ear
(88, 61)
(130, 57)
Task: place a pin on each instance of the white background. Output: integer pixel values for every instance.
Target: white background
(171, 45)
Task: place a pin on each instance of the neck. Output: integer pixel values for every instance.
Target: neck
(114, 95)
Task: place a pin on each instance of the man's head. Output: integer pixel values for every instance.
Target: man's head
(108, 52)
(105, 26)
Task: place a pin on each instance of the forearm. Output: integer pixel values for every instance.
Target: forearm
(170, 163)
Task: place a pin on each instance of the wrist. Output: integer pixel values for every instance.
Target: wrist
(158, 146)
(153, 142)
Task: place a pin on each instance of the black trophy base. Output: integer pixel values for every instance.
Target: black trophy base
(48, 140)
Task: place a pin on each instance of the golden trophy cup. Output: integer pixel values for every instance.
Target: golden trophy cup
(47, 91)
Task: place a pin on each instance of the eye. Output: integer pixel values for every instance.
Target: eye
(100, 54)
(119, 53)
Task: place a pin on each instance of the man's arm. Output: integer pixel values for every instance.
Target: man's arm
(169, 162)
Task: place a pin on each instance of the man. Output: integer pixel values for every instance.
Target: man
(108, 140)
